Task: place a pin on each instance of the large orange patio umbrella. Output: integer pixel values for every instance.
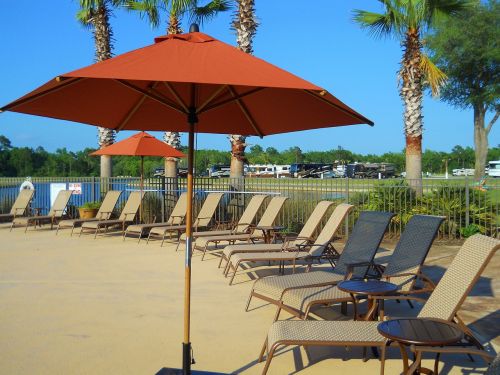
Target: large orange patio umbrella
(140, 144)
(193, 83)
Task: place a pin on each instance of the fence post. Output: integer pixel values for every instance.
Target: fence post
(347, 201)
(92, 191)
(163, 197)
(467, 203)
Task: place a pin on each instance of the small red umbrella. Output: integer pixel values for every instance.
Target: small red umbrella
(140, 144)
(194, 83)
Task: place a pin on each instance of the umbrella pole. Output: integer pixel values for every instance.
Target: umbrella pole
(142, 188)
(186, 345)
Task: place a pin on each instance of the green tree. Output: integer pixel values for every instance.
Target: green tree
(407, 21)
(466, 49)
(95, 14)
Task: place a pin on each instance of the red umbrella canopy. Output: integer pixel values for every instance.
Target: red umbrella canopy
(140, 144)
(226, 89)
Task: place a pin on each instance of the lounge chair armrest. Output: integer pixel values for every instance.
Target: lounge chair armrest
(19, 211)
(352, 266)
(127, 214)
(179, 217)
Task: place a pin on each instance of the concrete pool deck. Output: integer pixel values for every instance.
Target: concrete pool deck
(73, 305)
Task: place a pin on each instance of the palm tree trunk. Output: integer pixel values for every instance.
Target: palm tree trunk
(480, 142)
(245, 24)
(411, 92)
(103, 46)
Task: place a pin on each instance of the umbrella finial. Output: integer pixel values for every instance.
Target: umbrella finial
(194, 28)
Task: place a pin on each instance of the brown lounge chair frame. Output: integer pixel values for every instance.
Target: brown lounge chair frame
(203, 220)
(127, 216)
(104, 213)
(355, 260)
(322, 248)
(177, 217)
(403, 269)
(20, 205)
(267, 219)
(443, 304)
(55, 214)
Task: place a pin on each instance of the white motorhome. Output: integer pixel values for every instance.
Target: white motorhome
(494, 168)
(267, 170)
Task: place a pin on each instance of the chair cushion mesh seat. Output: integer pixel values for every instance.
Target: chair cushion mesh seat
(300, 298)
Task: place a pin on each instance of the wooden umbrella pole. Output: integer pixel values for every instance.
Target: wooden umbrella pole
(186, 345)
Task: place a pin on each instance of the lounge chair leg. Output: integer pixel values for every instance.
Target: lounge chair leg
(382, 359)
(72, 229)
(149, 236)
(277, 315)
(234, 273)
(262, 351)
(204, 252)
(11, 226)
(57, 229)
(268, 361)
(220, 261)
(249, 300)
(95, 234)
(343, 308)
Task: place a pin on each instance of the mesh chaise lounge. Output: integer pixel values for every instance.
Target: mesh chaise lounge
(355, 260)
(311, 250)
(304, 237)
(203, 220)
(127, 216)
(267, 219)
(55, 214)
(403, 269)
(244, 223)
(443, 303)
(104, 213)
(20, 205)
(177, 217)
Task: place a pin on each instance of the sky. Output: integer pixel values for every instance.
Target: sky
(321, 44)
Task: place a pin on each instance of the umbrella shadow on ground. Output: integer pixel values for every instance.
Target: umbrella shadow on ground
(177, 371)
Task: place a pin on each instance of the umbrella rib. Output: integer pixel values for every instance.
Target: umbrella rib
(133, 111)
(212, 97)
(346, 111)
(234, 98)
(245, 111)
(176, 96)
(62, 85)
(150, 95)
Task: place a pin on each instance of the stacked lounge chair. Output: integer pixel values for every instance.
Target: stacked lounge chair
(356, 260)
(443, 303)
(104, 213)
(403, 269)
(127, 216)
(203, 220)
(268, 218)
(55, 214)
(20, 205)
(320, 248)
(177, 217)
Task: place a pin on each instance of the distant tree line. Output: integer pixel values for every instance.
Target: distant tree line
(26, 161)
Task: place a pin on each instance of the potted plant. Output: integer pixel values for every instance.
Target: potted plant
(89, 210)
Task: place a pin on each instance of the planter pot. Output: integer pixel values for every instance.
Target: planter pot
(87, 213)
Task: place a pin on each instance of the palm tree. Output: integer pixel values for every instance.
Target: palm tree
(95, 15)
(407, 20)
(245, 24)
(175, 9)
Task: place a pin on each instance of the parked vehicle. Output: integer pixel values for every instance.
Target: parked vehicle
(494, 168)
(309, 170)
(267, 170)
(371, 170)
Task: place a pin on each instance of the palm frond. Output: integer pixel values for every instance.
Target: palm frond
(84, 16)
(436, 10)
(209, 11)
(434, 76)
(377, 24)
(146, 8)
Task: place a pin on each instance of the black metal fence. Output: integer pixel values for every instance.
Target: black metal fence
(468, 207)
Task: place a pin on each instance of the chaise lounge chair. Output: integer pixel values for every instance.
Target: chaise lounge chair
(245, 222)
(304, 237)
(403, 269)
(203, 220)
(177, 217)
(126, 217)
(292, 252)
(104, 213)
(356, 260)
(20, 205)
(443, 303)
(268, 218)
(55, 214)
